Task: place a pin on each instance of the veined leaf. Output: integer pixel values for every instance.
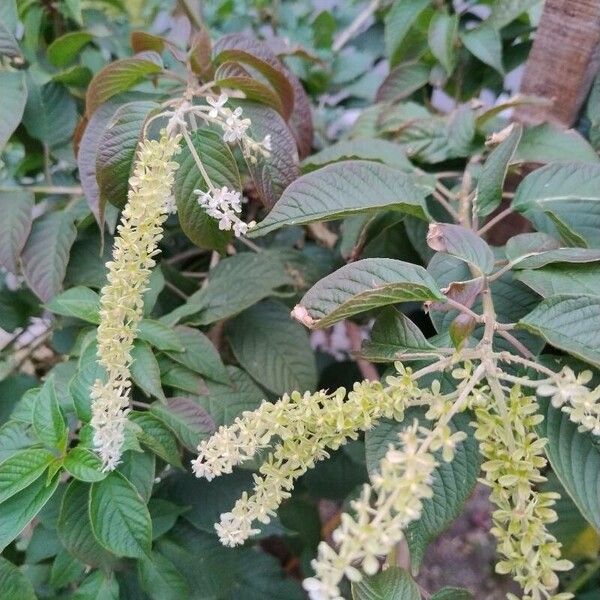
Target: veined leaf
(485, 43)
(364, 285)
(119, 76)
(507, 11)
(157, 437)
(402, 81)
(557, 279)
(342, 189)
(570, 323)
(16, 210)
(145, 371)
(159, 335)
(392, 584)
(14, 97)
(398, 22)
(160, 579)
(98, 586)
(392, 336)
(273, 348)
(79, 302)
(443, 35)
(119, 517)
(491, 180)
(83, 464)
(48, 422)
(13, 582)
(22, 469)
(65, 49)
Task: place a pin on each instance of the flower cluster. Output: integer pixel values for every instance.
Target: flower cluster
(514, 460)
(121, 302)
(383, 510)
(570, 393)
(304, 427)
(224, 205)
(235, 127)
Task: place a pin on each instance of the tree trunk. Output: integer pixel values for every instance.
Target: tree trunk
(563, 61)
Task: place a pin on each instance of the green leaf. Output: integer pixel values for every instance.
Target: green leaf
(8, 43)
(452, 593)
(119, 76)
(225, 402)
(145, 371)
(116, 151)
(575, 458)
(342, 189)
(557, 279)
(491, 180)
(392, 584)
(160, 579)
(274, 173)
(384, 151)
(570, 323)
(50, 113)
(79, 302)
(98, 586)
(222, 169)
(462, 243)
(452, 482)
(484, 43)
(164, 515)
(157, 437)
(398, 23)
(392, 336)
(550, 142)
(179, 377)
(364, 285)
(16, 210)
(22, 469)
(159, 335)
(139, 468)
(14, 97)
(523, 259)
(507, 11)
(13, 583)
(272, 348)
(443, 35)
(20, 509)
(570, 192)
(74, 527)
(46, 253)
(48, 422)
(187, 419)
(66, 48)
(119, 517)
(402, 81)
(83, 464)
(199, 355)
(13, 437)
(235, 284)
(65, 570)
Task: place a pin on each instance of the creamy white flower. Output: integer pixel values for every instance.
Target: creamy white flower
(224, 205)
(217, 104)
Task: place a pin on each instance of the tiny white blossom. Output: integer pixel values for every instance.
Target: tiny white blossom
(235, 127)
(224, 205)
(217, 104)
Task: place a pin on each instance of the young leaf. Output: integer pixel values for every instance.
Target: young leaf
(342, 189)
(392, 584)
(22, 469)
(65, 570)
(491, 180)
(484, 43)
(74, 527)
(157, 437)
(98, 586)
(462, 243)
(273, 348)
(139, 468)
(18, 510)
(46, 253)
(504, 13)
(79, 302)
(66, 48)
(364, 285)
(48, 422)
(119, 517)
(392, 336)
(13, 582)
(570, 323)
(222, 169)
(16, 210)
(83, 464)
(120, 76)
(402, 81)
(14, 97)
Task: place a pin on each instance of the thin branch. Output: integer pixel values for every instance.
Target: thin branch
(176, 290)
(254, 247)
(449, 208)
(45, 189)
(464, 309)
(495, 220)
(353, 29)
(511, 339)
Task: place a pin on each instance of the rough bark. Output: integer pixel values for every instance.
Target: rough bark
(563, 62)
